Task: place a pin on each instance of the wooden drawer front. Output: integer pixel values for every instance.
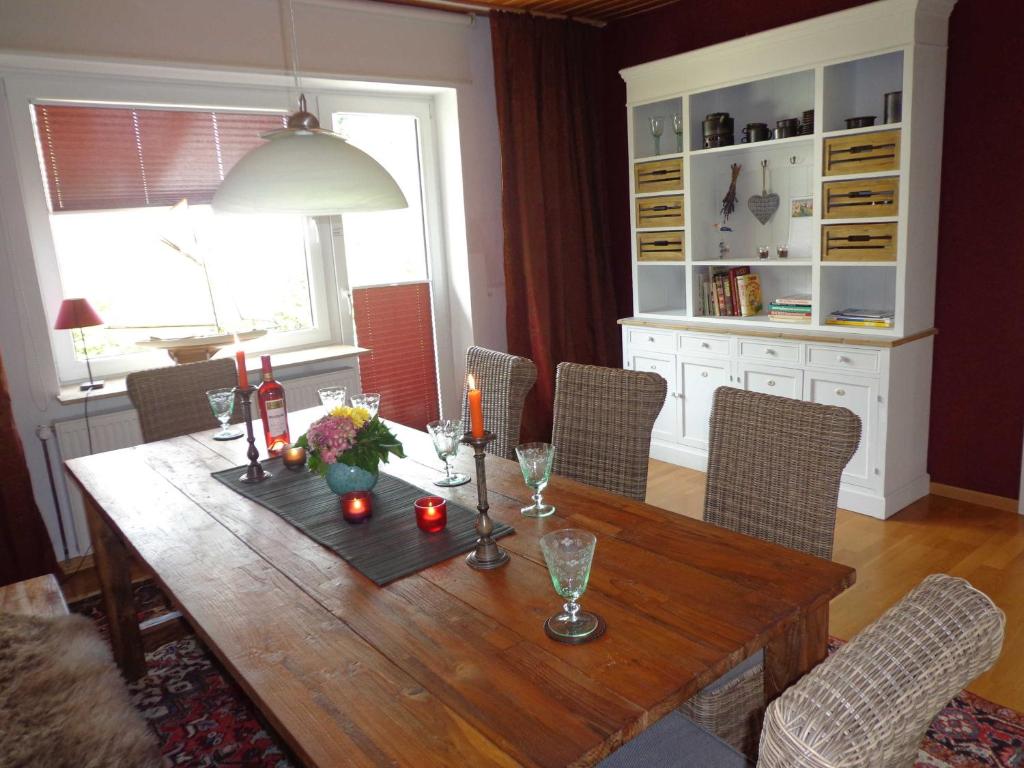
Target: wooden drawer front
(859, 397)
(839, 358)
(783, 382)
(770, 351)
(659, 246)
(859, 242)
(663, 211)
(659, 175)
(862, 197)
(862, 152)
(641, 339)
(704, 345)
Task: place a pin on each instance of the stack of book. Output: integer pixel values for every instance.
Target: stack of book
(730, 293)
(795, 308)
(862, 318)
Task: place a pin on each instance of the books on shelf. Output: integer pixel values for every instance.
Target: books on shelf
(862, 318)
(795, 308)
(732, 292)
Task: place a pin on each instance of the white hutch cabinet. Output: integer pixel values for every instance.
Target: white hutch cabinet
(858, 212)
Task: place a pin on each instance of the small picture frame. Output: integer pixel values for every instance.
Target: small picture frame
(801, 207)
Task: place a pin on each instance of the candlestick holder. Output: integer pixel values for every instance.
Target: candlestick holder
(487, 555)
(254, 473)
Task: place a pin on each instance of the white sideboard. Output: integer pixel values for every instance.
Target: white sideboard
(886, 385)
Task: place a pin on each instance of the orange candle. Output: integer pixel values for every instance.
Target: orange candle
(476, 409)
(243, 375)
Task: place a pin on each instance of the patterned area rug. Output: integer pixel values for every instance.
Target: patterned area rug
(203, 719)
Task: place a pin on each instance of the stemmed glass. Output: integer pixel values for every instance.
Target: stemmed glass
(569, 554)
(535, 461)
(657, 128)
(222, 405)
(332, 397)
(368, 400)
(447, 437)
(677, 126)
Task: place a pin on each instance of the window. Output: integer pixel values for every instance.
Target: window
(128, 191)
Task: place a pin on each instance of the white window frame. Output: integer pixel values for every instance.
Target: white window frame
(25, 80)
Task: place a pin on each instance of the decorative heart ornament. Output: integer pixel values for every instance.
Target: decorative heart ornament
(763, 206)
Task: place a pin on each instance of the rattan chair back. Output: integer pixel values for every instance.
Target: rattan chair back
(505, 381)
(602, 426)
(870, 703)
(172, 401)
(774, 466)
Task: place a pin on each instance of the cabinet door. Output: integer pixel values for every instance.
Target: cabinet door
(697, 381)
(663, 365)
(784, 382)
(861, 397)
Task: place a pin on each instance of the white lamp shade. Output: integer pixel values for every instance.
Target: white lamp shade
(315, 173)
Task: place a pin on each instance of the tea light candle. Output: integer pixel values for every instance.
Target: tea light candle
(294, 457)
(431, 514)
(356, 506)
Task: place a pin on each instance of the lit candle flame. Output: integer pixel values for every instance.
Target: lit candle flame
(471, 381)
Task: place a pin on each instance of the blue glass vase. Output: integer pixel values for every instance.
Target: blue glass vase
(342, 478)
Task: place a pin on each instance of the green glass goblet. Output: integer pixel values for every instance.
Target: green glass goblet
(569, 554)
(535, 460)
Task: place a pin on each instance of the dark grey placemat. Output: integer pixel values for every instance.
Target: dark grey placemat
(386, 547)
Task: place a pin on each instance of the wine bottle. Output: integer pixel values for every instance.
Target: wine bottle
(270, 396)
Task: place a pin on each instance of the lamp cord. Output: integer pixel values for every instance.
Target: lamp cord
(294, 44)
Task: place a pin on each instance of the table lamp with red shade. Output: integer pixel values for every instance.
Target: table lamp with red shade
(79, 314)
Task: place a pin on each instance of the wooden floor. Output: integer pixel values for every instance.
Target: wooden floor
(933, 535)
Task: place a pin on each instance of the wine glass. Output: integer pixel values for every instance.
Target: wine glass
(447, 437)
(657, 127)
(535, 461)
(569, 554)
(368, 400)
(332, 397)
(222, 405)
(677, 126)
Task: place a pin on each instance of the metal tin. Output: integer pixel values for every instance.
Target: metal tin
(893, 107)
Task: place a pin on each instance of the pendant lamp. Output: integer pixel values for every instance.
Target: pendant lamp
(305, 169)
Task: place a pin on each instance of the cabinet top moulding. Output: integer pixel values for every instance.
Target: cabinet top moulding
(868, 29)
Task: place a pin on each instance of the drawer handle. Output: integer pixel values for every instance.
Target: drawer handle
(654, 367)
(842, 359)
(704, 374)
(705, 345)
(769, 351)
(650, 339)
(771, 382)
(840, 392)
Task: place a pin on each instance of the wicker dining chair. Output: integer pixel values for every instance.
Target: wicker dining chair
(602, 426)
(870, 703)
(774, 467)
(505, 381)
(172, 401)
(867, 705)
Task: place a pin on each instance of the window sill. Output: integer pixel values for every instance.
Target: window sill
(115, 386)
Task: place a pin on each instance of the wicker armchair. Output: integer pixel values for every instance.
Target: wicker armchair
(602, 427)
(774, 467)
(505, 380)
(172, 401)
(871, 702)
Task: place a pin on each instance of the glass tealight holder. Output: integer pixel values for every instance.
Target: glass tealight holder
(763, 251)
(294, 457)
(357, 506)
(431, 514)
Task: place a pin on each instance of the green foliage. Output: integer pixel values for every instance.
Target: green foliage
(374, 443)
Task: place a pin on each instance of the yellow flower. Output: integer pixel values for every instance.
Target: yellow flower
(358, 416)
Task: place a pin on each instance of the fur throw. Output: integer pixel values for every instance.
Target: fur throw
(62, 700)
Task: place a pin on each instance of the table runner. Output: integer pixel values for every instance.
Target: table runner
(386, 547)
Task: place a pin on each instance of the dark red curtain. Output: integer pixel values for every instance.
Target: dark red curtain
(25, 549)
(561, 306)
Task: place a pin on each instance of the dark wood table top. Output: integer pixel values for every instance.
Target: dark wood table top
(452, 665)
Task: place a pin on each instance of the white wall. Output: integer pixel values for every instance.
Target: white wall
(337, 39)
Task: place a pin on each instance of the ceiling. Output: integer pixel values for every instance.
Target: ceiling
(592, 10)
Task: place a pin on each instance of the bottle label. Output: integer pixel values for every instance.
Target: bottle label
(277, 416)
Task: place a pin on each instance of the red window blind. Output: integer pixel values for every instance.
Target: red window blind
(396, 323)
(117, 157)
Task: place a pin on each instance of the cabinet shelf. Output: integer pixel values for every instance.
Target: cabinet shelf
(861, 175)
(661, 263)
(862, 220)
(757, 145)
(868, 129)
(640, 195)
(752, 262)
(662, 156)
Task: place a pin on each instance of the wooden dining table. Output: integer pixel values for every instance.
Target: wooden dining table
(450, 665)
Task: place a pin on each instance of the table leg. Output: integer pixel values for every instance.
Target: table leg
(803, 645)
(113, 566)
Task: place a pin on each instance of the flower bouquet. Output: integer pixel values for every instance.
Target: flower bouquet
(346, 446)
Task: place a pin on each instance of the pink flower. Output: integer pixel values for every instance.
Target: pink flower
(331, 436)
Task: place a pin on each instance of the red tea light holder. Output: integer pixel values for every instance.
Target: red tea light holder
(431, 514)
(357, 506)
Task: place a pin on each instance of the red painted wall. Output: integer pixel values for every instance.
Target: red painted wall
(978, 379)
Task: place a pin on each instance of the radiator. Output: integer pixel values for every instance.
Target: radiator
(120, 429)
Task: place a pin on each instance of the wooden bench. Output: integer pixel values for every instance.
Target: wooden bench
(40, 596)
